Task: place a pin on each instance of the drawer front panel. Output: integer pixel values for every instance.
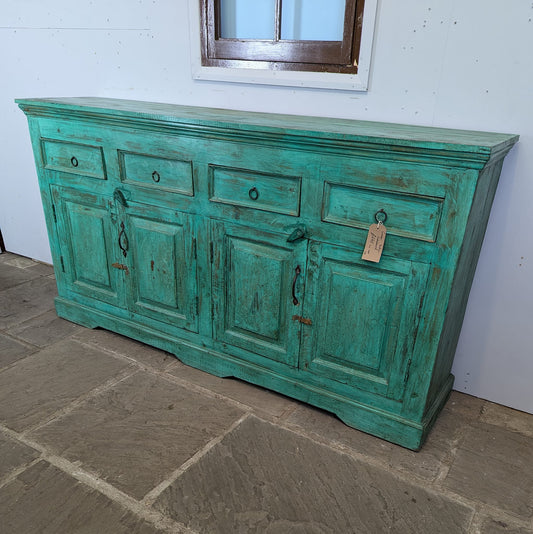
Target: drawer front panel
(267, 192)
(406, 215)
(165, 174)
(73, 158)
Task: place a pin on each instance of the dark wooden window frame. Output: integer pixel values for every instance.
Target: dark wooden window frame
(277, 54)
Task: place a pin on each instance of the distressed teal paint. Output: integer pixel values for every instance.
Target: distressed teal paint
(234, 240)
(253, 273)
(157, 173)
(369, 318)
(163, 265)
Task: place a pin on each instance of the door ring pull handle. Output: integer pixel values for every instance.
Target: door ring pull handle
(123, 240)
(297, 272)
(253, 193)
(74, 161)
(156, 177)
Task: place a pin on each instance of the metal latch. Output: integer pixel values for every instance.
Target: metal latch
(302, 320)
(121, 266)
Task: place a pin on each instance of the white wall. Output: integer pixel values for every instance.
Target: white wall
(455, 64)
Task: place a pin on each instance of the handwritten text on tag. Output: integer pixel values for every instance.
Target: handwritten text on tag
(374, 243)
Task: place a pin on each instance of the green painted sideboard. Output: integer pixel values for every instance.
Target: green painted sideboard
(234, 241)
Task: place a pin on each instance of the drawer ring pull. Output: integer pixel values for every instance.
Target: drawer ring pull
(253, 193)
(380, 216)
(156, 177)
(74, 161)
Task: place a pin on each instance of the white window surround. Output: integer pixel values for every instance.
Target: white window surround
(321, 80)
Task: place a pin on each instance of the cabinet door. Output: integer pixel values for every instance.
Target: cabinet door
(87, 240)
(162, 250)
(254, 275)
(364, 318)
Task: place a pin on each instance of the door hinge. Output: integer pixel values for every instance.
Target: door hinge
(211, 253)
(196, 305)
(54, 212)
(302, 320)
(62, 263)
(194, 253)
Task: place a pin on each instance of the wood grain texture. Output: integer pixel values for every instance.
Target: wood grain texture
(277, 53)
(234, 241)
(430, 138)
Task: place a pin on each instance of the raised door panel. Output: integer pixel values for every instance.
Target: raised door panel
(257, 289)
(163, 260)
(87, 238)
(364, 317)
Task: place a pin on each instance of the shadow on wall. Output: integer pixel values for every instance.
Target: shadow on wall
(2, 246)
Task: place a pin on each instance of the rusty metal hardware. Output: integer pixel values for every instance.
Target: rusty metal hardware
(123, 240)
(253, 193)
(380, 216)
(121, 266)
(297, 272)
(303, 320)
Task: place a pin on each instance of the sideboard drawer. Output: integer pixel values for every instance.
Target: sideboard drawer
(166, 174)
(406, 215)
(73, 158)
(267, 192)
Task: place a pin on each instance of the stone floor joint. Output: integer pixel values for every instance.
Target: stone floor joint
(102, 388)
(153, 494)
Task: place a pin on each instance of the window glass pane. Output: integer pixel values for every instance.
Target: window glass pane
(247, 19)
(312, 20)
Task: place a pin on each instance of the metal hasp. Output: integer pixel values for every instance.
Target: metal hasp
(118, 195)
(297, 234)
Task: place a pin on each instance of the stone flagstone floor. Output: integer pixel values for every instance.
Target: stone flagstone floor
(101, 434)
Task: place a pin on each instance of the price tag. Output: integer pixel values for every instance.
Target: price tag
(374, 242)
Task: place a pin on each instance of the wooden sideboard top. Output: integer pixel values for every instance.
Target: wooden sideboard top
(484, 145)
